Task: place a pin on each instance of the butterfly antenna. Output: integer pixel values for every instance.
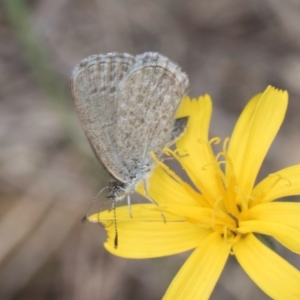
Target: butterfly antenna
(91, 204)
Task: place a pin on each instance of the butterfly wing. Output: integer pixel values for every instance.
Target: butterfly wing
(94, 85)
(148, 99)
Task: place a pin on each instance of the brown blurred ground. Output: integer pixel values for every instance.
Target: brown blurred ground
(230, 49)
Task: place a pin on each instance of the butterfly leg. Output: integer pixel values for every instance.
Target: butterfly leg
(129, 206)
(148, 196)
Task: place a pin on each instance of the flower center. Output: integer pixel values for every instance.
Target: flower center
(231, 201)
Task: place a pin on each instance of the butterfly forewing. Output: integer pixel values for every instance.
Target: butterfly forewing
(94, 84)
(149, 96)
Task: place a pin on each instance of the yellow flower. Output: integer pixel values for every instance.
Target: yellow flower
(220, 216)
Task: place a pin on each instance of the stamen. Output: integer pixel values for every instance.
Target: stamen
(216, 210)
(225, 145)
(245, 198)
(215, 140)
(223, 178)
(289, 183)
(176, 153)
(168, 151)
(235, 219)
(180, 153)
(236, 236)
(259, 198)
(207, 165)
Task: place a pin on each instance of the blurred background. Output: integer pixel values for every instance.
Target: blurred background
(231, 49)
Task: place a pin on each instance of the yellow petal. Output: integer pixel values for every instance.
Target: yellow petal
(254, 134)
(140, 212)
(283, 183)
(276, 277)
(287, 213)
(239, 138)
(184, 108)
(166, 187)
(194, 151)
(146, 234)
(198, 276)
(202, 216)
(286, 235)
(199, 112)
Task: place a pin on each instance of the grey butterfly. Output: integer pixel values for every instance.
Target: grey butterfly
(127, 107)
